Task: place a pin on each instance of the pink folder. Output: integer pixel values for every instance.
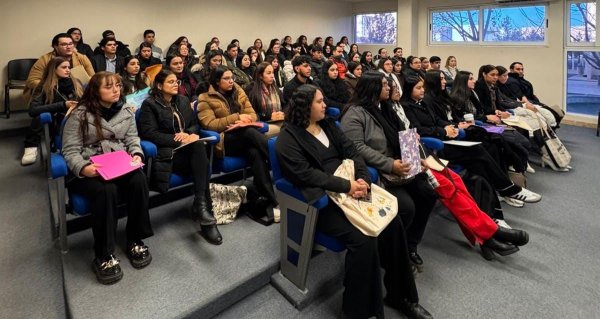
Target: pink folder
(114, 164)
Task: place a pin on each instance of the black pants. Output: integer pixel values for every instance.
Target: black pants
(477, 161)
(33, 137)
(252, 144)
(192, 160)
(362, 296)
(519, 145)
(415, 202)
(104, 197)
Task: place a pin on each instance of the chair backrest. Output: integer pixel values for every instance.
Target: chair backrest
(18, 70)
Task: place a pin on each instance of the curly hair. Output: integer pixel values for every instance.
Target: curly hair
(298, 110)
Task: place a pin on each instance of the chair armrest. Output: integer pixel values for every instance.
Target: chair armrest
(58, 166)
(149, 149)
(46, 118)
(208, 133)
(433, 143)
(286, 187)
(461, 134)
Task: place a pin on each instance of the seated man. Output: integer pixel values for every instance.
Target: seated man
(122, 48)
(63, 46)
(398, 55)
(517, 87)
(302, 68)
(108, 60)
(231, 55)
(149, 37)
(316, 62)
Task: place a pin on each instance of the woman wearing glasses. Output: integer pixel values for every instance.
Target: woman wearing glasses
(103, 123)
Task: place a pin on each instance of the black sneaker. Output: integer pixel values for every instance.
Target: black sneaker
(138, 254)
(416, 260)
(107, 270)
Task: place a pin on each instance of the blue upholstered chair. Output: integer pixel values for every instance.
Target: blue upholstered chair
(298, 222)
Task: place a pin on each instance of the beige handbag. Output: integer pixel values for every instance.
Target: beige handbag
(557, 151)
(371, 216)
(226, 201)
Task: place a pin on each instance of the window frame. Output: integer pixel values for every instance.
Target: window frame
(354, 25)
(480, 9)
(567, 26)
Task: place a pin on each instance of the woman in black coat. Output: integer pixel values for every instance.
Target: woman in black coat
(168, 121)
(309, 149)
(334, 89)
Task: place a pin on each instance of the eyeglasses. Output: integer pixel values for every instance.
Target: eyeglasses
(64, 45)
(228, 78)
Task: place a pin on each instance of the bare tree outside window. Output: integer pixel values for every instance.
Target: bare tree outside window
(582, 22)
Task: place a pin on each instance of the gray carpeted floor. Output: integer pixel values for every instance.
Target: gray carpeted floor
(556, 275)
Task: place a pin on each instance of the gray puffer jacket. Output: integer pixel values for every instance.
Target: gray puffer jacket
(119, 133)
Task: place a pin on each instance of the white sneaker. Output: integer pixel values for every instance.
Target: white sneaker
(276, 214)
(502, 223)
(527, 196)
(512, 202)
(530, 169)
(29, 156)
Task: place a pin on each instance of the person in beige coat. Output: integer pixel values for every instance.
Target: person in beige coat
(225, 108)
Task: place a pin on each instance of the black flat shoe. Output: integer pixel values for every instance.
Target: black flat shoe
(491, 246)
(107, 270)
(514, 236)
(138, 254)
(211, 234)
(413, 310)
(416, 260)
(261, 211)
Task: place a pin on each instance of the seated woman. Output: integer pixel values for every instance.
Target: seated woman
(474, 158)
(188, 59)
(258, 45)
(242, 71)
(174, 47)
(450, 68)
(475, 224)
(412, 68)
(201, 73)
(424, 64)
(134, 79)
(362, 123)
(280, 78)
(102, 123)
(56, 93)
(145, 56)
(254, 56)
(352, 76)
(266, 98)
(302, 43)
(366, 60)
(188, 83)
(386, 66)
(333, 88)
(225, 108)
(309, 149)
(514, 146)
(167, 120)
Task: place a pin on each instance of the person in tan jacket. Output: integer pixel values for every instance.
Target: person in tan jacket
(63, 46)
(225, 108)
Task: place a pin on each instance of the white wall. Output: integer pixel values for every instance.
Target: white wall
(29, 25)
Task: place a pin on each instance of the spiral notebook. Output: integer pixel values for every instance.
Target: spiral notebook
(114, 164)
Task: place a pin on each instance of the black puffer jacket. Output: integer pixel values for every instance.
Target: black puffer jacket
(158, 125)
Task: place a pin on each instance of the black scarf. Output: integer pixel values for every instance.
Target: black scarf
(391, 124)
(231, 98)
(108, 112)
(66, 88)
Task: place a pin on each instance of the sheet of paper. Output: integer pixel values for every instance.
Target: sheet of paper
(461, 143)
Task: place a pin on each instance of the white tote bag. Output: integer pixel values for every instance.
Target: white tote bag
(372, 216)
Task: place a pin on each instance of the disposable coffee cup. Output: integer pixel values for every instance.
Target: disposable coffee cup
(469, 118)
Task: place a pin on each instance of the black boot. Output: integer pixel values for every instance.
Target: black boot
(491, 246)
(261, 211)
(514, 236)
(211, 234)
(202, 208)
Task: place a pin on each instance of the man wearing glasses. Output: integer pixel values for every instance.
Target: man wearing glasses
(63, 46)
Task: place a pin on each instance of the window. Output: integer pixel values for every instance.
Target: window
(455, 26)
(376, 28)
(490, 24)
(582, 22)
(583, 82)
